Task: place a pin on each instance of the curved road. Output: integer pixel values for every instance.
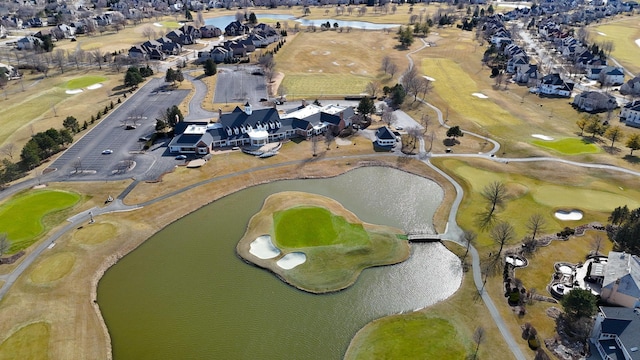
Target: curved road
(453, 232)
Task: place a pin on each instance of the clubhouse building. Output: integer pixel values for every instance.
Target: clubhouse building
(256, 128)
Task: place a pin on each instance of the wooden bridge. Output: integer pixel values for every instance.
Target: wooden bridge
(423, 237)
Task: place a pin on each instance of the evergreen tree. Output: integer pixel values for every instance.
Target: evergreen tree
(210, 67)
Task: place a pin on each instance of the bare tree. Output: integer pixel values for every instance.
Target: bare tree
(328, 139)
(536, 224)
(8, 150)
(614, 133)
(424, 86)
(314, 145)
(411, 82)
(478, 337)
(373, 87)
(596, 244)
(501, 234)
(495, 194)
(425, 121)
(393, 69)
(98, 57)
(386, 63)
(469, 237)
(5, 244)
(388, 116)
(149, 32)
(58, 58)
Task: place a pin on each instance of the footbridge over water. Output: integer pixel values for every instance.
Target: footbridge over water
(423, 237)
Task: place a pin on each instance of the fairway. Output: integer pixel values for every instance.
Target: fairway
(53, 268)
(314, 226)
(22, 217)
(623, 34)
(414, 336)
(455, 87)
(84, 81)
(569, 146)
(322, 85)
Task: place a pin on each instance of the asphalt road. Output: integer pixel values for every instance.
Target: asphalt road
(84, 160)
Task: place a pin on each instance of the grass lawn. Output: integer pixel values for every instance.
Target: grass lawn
(623, 32)
(569, 146)
(53, 268)
(414, 336)
(95, 234)
(29, 342)
(324, 85)
(21, 217)
(84, 81)
(314, 226)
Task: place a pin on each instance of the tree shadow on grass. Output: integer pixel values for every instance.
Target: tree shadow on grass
(632, 159)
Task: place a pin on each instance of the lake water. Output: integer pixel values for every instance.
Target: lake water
(222, 21)
(185, 294)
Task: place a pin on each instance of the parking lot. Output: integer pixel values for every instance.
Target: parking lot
(120, 132)
(240, 83)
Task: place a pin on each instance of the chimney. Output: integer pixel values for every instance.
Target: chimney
(219, 113)
(304, 103)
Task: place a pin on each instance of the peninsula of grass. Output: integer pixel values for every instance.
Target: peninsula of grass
(336, 244)
(84, 81)
(22, 217)
(569, 146)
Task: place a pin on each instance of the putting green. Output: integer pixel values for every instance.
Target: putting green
(21, 217)
(314, 226)
(29, 342)
(569, 146)
(53, 268)
(413, 336)
(83, 82)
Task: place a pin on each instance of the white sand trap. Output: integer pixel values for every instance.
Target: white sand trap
(480, 95)
(157, 24)
(601, 33)
(542, 137)
(292, 260)
(74, 91)
(351, 64)
(638, 42)
(335, 63)
(94, 86)
(428, 78)
(326, 53)
(263, 248)
(566, 270)
(342, 142)
(568, 215)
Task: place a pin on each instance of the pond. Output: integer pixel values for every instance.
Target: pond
(184, 293)
(222, 21)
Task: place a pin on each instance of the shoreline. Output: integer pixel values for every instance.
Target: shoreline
(127, 248)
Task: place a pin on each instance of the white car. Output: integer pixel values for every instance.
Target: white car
(107, 152)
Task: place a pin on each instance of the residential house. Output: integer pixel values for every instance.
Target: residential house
(553, 85)
(515, 63)
(194, 139)
(631, 87)
(236, 28)
(210, 31)
(181, 38)
(66, 30)
(385, 137)
(612, 76)
(236, 48)
(267, 32)
(28, 43)
(527, 75)
(169, 47)
(615, 333)
(593, 101)
(218, 54)
(103, 20)
(630, 114)
(191, 30)
(621, 284)
(35, 22)
(330, 117)
(137, 52)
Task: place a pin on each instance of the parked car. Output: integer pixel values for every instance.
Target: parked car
(107, 152)
(181, 157)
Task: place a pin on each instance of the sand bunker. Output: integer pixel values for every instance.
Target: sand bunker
(428, 78)
(568, 215)
(263, 248)
(342, 142)
(292, 260)
(326, 53)
(542, 137)
(638, 42)
(601, 33)
(335, 63)
(157, 24)
(480, 95)
(94, 86)
(74, 91)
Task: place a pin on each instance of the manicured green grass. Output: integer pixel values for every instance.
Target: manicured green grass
(414, 336)
(53, 268)
(22, 217)
(314, 226)
(623, 34)
(569, 146)
(170, 24)
(321, 85)
(30, 342)
(455, 86)
(84, 81)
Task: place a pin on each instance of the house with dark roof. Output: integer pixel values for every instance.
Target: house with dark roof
(630, 114)
(553, 85)
(28, 43)
(594, 101)
(385, 137)
(236, 28)
(621, 284)
(210, 31)
(181, 38)
(615, 333)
